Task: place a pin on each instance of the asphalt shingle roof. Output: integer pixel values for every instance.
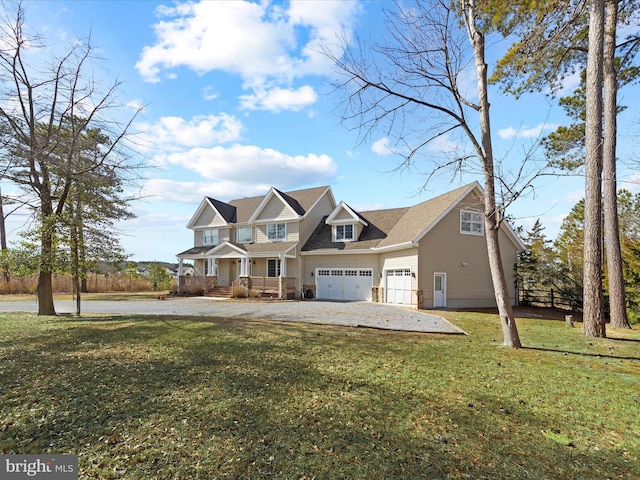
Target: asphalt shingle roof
(387, 227)
(299, 200)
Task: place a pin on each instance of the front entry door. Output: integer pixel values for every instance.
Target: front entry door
(439, 290)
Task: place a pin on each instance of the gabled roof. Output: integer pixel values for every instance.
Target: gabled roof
(421, 218)
(293, 203)
(356, 217)
(399, 227)
(253, 250)
(243, 210)
(299, 202)
(194, 251)
(226, 211)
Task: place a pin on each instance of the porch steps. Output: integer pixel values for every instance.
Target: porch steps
(223, 292)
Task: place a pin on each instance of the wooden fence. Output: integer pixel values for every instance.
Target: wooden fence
(549, 298)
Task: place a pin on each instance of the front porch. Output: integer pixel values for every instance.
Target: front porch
(242, 287)
(247, 270)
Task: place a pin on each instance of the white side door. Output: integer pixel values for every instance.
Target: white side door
(439, 290)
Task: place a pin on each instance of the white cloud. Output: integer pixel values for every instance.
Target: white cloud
(443, 144)
(631, 183)
(265, 44)
(381, 147)
(135, 104)
(192, 193)
(508, 133)
(572, 197)
(530, 133)
(569, 85)
(209, 93)
(278, 99)
(251, 165)
(175, 133)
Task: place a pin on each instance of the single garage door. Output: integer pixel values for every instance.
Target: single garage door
(398, 286)
(344, 283)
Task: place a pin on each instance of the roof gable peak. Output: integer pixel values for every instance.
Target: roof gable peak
(343, 207)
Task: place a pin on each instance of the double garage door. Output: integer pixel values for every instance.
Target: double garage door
(344, 283)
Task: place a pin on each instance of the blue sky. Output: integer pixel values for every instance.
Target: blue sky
(237, 99)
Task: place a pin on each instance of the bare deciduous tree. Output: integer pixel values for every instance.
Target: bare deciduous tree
(47, 103)
(418, 79)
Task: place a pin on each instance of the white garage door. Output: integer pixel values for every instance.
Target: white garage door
(398, 286)
(344, 283)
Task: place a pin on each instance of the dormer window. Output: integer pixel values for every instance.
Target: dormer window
(210, 237)
(344, 233)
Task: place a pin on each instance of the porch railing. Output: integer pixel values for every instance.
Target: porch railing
(269, 285)
(197, 285)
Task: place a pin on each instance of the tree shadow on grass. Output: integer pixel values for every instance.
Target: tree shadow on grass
(185, 397)
(584, 354)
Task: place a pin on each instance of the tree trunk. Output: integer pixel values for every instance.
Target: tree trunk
(617, 296)
(3, 242)
(491, 221)
(74, 244)
(594, 325)
(45, 287)
(77, 288)
(45, 294)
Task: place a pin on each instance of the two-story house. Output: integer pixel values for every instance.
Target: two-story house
(303, 243)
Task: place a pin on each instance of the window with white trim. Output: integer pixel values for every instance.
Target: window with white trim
(244, 235)
(210, 237)
(471, 223)
(273, 267)
(276, 231)
(344, 232)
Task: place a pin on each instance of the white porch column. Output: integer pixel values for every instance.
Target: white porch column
(283, 274)
(209, 266)
(244, 270)
(283, 265)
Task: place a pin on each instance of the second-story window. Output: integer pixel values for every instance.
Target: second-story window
(471, 223)
(276, 231)
(210, 237)
(244, 235)
(344, 232)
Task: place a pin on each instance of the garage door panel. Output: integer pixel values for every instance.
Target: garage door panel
(365, 284)
(398, 286)
(344, 284)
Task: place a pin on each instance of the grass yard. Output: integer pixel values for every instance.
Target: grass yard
(205, 398)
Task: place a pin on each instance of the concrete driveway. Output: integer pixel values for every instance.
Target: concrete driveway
(352, 314)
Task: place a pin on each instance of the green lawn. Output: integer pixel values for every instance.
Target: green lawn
(181, 398)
